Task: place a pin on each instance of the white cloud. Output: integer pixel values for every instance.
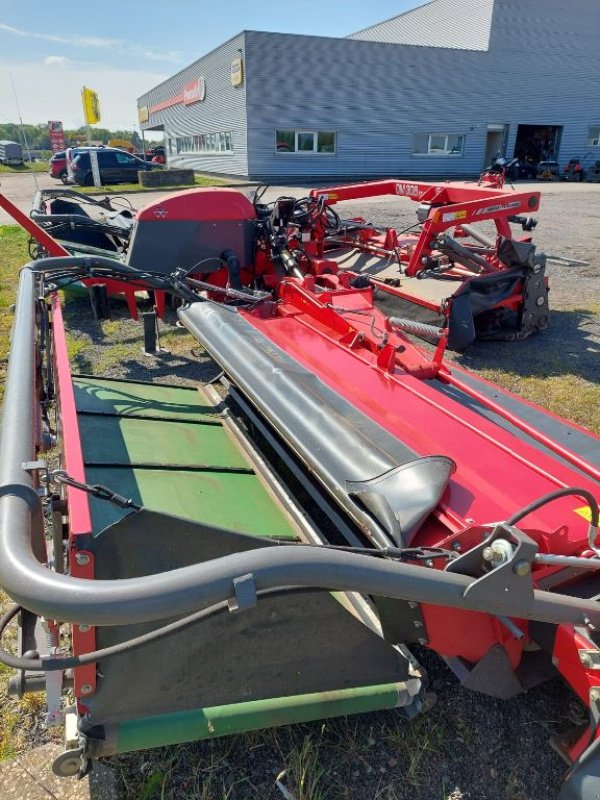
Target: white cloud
(117, 45)
(57, 94)
(59, 61)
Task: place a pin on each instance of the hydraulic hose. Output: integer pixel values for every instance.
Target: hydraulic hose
(58, 664)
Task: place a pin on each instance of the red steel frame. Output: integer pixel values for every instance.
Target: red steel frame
(452, 204)
(79, 514)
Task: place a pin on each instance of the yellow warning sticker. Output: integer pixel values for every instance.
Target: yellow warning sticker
(453, 215)
(585, 512)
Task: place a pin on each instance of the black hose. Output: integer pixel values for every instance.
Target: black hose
(58, 664)
(548, 498)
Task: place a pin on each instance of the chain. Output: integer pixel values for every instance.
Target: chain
(96, 490)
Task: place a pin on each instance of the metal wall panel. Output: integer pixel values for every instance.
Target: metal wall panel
(223, 109)
(540, 69)
(463, 24)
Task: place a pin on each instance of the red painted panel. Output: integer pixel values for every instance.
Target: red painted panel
(209, 203)
(497, 473)
(80, 520)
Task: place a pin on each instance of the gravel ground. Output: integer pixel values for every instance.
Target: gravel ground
(468, 747)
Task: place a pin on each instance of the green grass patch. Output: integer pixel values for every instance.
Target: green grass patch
(13, 254)
(36, 166)
(201, 180)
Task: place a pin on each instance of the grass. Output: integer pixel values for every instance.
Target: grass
(201, 180)
(13, 254)
(35, 166)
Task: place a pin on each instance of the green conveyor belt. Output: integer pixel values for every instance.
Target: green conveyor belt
(292, 658)
(166, 448)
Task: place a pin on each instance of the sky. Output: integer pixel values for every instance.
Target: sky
(122, 49)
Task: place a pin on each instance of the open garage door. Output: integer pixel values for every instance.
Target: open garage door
(535, 143)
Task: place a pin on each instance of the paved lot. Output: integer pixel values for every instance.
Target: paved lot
(20, 189)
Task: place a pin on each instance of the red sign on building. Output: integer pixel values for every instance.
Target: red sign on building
(194, 91)
(57, 136)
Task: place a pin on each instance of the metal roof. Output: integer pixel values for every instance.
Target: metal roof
(459, 24)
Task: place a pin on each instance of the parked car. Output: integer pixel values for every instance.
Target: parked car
(58, 166)
(115, 166)
(10, 152)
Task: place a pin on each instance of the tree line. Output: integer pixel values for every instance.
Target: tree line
(38, 137)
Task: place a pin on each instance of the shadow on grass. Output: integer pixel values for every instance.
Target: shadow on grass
(570, 346)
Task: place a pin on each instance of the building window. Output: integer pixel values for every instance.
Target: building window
(594, 136)
(221, 142)
(438, 144)
(305, 141)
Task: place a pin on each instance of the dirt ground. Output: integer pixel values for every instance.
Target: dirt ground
(468, 747)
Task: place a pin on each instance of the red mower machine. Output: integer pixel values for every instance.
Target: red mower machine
(348, 494)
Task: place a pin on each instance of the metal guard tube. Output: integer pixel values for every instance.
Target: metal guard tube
(57, 596)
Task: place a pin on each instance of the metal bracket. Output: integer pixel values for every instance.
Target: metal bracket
(245, 593)
(511, 581)
(401, 621)
(38, 466)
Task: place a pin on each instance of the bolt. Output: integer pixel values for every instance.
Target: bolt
(457, 546)
(540, 301)
(86, 689)
(488, 554)
(412, 604)
(422, 641)
(429, 562)
(84, 628)
(417, 623)
(82, 559)
(522, 568)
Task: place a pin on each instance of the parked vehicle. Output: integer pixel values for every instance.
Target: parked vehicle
(548, 170)
(10, 153)
(122, 144)
(58, 166)
(157, 154)
(573, 171)
(115, 166)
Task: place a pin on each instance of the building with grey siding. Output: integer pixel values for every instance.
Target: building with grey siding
(434, 92)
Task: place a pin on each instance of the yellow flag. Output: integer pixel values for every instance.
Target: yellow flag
(91, 106)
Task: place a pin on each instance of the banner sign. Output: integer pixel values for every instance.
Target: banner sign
(194, 91)
(237, 71)
(57, 136)
(143, 114)
(91, 106)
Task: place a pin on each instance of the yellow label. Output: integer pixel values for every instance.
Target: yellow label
(143, 114)
(451, 216)
(585, 512)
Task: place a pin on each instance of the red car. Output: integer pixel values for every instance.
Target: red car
(58, 166)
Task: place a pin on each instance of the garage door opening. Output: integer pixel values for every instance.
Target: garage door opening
(536, 143)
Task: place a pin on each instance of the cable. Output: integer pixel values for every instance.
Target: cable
(56, 664)
(566, 492)
(547, 498)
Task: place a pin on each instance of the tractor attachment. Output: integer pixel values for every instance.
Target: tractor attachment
(269, 553)
(450, 273)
